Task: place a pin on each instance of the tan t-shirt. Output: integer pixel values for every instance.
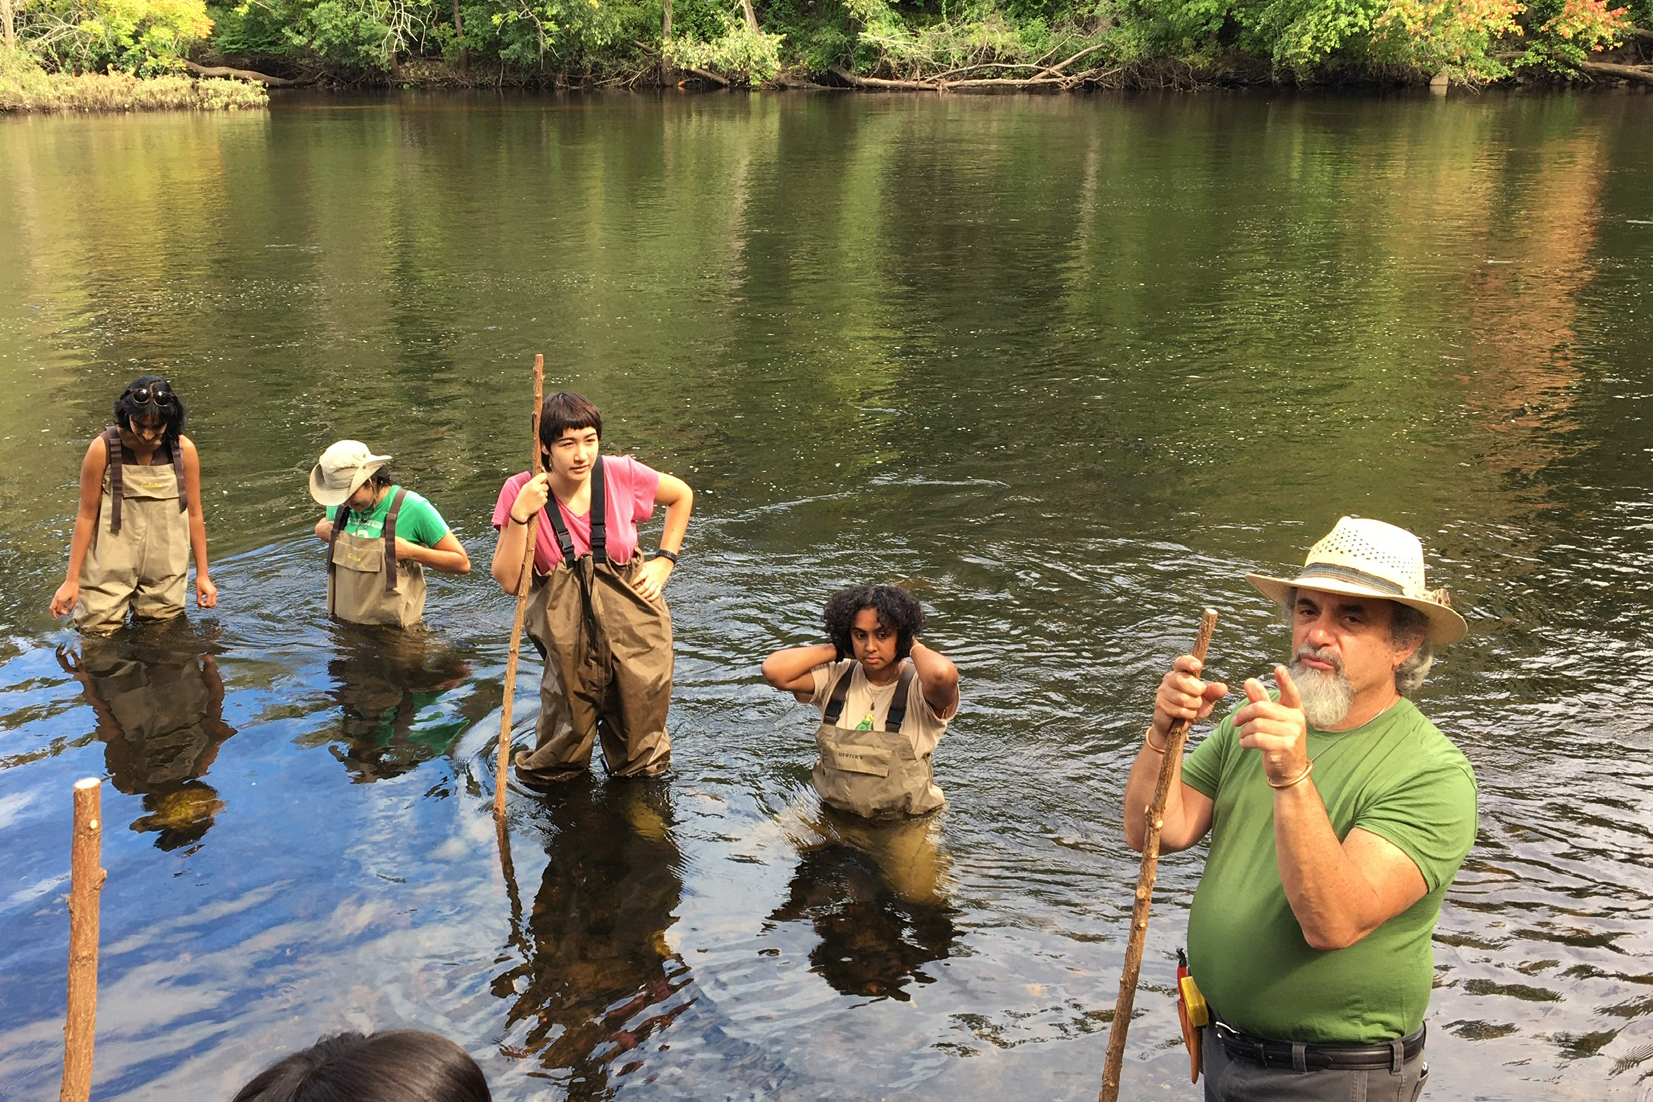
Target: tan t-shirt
(921, 725)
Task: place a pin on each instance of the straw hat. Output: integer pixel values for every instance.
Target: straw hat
(342, 470)
(1368, 558)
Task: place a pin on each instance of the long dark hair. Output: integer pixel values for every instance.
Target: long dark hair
(404, 1065)
(171, 409)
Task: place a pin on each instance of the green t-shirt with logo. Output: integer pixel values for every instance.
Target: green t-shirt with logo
(417, 522)
(1396, 776)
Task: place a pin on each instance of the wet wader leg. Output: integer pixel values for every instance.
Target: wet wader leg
(635, 637)
(159, 533)
(560, 750)
(106, 587)
(161, 599)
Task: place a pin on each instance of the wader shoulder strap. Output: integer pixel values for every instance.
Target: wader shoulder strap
(176, 448)
(390, 539)
(112, 442)
(553, 513)
(835, 702)
(599, 513)
(898, 703)
(340, 519)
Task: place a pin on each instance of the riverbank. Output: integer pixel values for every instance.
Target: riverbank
(25, 88)
(1083, 70)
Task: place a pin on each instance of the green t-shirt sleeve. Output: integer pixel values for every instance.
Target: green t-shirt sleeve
(1430, 818)
(1202, 769)
(419, 521)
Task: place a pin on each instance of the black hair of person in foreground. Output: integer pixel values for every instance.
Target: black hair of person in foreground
(403, 1065)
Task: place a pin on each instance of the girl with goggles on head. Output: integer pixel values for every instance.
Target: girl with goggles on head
(140, 520)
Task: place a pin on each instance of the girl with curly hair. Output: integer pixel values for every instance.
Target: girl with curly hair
(139, 519)
(885, 701)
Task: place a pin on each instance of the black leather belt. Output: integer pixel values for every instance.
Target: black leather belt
(1284, 1054)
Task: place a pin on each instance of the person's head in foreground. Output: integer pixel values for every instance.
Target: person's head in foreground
(403, 1065)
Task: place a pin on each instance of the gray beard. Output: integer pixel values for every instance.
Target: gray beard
(1326, 696)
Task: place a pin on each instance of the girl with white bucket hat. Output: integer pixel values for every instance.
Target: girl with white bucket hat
(380, 537)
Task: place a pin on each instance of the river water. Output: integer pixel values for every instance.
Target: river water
(1066, 367)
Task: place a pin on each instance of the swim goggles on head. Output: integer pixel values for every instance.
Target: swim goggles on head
(159, 394)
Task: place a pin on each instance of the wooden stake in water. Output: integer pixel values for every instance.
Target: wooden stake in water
(1145, 885)
(503, 772)
(86, 885)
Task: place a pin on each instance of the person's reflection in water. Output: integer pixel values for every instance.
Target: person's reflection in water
(875, 893)
(600, 986)
(159, 702)
(382, 677)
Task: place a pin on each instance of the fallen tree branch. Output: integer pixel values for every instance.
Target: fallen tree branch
(878, 82)
(989, 84)
(1087, 50)
(1641, 73)
(241, 74)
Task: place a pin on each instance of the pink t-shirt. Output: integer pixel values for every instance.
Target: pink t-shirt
(629, 488)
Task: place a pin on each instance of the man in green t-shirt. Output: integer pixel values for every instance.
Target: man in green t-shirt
(1310, 931)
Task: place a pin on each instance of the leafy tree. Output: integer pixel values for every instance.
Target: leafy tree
(139, 36)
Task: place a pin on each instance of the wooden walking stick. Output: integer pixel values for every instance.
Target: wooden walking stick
(503, 771)
(85, 886)
(1145, 885)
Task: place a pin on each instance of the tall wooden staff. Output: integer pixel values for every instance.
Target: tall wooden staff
(1145, 885)
(86, 885)
(503, 771)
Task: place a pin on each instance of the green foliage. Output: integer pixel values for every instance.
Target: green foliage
(137, 36)
(595, 40)
(355, 34)
(1564, 33)
(737, 53)
(25, 86)
(248, 30)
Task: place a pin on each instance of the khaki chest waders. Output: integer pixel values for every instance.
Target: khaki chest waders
(608, 660)
(139, 555)
(873, 773)
(366, 582)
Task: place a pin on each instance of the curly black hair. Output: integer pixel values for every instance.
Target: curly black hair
(897, 609)
(161, 401)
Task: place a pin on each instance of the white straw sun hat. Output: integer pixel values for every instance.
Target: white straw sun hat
(341, 471)
(1368, 558)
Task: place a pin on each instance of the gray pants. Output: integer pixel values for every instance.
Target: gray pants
(1236, 1079)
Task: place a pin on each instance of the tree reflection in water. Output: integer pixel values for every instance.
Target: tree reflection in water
(159, 702)
(382, 678)
(598, 981)
(875, 894)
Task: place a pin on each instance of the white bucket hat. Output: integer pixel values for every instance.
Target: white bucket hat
(341, 471)
(1368, 558)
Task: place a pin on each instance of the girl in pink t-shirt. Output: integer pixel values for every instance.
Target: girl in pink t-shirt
(591, 584)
